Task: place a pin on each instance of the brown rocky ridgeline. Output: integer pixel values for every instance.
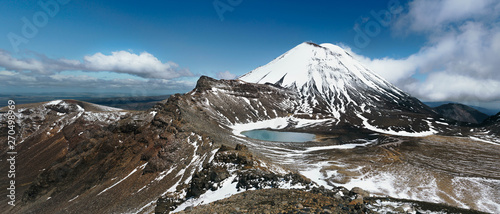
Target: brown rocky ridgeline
(77, 157)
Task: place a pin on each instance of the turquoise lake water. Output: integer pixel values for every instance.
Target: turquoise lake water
(269, 135)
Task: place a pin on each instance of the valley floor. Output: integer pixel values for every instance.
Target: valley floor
(457, 171)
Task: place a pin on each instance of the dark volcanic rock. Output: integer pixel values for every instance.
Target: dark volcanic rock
(493, 124)
(495, 119)
(249, 175)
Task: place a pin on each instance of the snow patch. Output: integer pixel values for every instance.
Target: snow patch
(276, 123)
(397, 133)
(227, 189)
(484, 141)
(133, 171)
(442, 123)
(53, 102)
(164, 174)
(314, 173)
(343, 146)
(70, 200)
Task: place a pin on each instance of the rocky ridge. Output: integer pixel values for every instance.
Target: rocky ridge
(73, 154)
(237, 168)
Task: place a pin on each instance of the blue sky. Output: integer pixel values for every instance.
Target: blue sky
(161, 47)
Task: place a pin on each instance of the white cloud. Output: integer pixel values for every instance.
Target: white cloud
(226, 75)
(448, 86)
(434, 15)
(460, 58)
(33, 65)
(44, 72)
(143, 65)
(7, 73)
(60, 77)
(393, 70)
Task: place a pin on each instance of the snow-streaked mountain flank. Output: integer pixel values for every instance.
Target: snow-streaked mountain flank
(330, 81)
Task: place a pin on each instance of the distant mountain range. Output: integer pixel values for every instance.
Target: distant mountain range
(486, 111)
(462, 113)
(118, 101)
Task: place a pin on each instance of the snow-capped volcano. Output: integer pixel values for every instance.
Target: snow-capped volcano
(330, 81)
(309, 65)
(326, 74)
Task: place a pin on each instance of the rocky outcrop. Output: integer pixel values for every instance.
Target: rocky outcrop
(281, 201)
(492, 124)
(249, 173)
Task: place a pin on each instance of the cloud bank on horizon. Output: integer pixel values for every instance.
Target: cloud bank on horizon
(152, 72)
(143, 65)
(460, 60)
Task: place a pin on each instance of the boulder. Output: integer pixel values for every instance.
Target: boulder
(359, 191)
